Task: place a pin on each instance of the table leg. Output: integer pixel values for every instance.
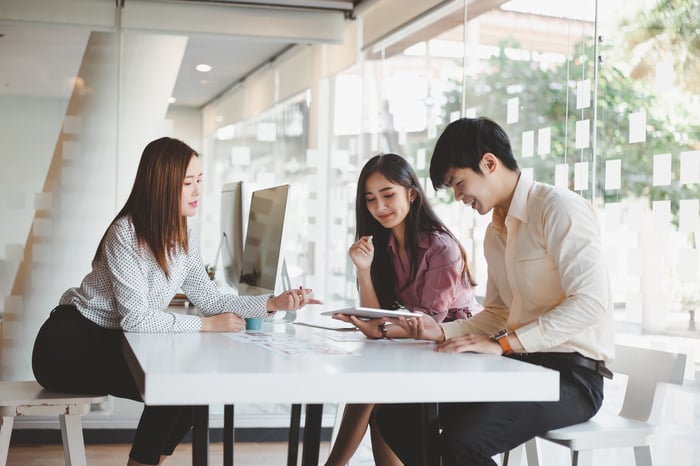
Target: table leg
(293, 442)
(229, 435)
(431, 433)
(200, 435)
(312, 435)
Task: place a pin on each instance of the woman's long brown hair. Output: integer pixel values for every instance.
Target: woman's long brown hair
(154, 202)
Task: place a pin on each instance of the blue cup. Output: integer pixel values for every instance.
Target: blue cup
(253, 323)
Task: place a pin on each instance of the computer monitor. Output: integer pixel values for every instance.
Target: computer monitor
(263, 241)
(231, 246)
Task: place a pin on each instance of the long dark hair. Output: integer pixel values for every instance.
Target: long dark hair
(421, 218)
(154, 202)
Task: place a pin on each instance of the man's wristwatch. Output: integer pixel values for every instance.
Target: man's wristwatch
(502, 339)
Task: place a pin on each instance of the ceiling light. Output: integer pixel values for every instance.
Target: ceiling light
(172, 100)
(203, 67)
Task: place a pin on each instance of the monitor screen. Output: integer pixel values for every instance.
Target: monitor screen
(263, 241)
(231, 247)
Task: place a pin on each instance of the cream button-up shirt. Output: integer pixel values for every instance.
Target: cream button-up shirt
(547, 277)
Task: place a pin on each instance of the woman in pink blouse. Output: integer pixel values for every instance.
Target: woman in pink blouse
(404, 257)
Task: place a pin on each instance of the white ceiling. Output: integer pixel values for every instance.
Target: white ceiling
(40, 58)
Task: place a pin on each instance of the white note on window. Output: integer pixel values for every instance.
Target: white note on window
(513, 110)
(688, 215)
(561, 175)
(661, 172)
(544, 141)
(528, 149)
(420, 159)
(580, 176)
(613, 174)
(638, 127)
(662, 214)
(583, 93)
(528, 173)
(583, 134)
(664, 75)
(690, 167)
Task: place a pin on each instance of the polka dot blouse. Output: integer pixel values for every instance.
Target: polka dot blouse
(127, 289)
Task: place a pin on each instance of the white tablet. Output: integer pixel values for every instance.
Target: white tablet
(371, 313)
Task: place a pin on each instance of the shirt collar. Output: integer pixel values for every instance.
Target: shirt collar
(518, 205)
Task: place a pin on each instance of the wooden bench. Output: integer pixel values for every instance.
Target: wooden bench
(28, 398)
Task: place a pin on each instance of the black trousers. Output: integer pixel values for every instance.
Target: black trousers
(73, 354)
(471, 433)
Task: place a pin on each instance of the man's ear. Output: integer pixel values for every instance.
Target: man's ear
(489, 162)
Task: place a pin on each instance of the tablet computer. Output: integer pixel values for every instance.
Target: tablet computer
(371, 313)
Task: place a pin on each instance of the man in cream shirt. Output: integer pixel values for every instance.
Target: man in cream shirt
(547, 301)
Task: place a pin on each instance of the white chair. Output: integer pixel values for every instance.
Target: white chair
(648, 371)
(28, 398)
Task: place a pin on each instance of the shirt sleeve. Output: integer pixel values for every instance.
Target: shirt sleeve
(129, 281)
(209, 300)
(571, 237)
(490, 320)
(441, 279)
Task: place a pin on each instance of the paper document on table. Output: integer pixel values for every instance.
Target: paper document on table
(285, 344)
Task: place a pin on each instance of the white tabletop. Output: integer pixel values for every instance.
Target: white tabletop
(218, 368)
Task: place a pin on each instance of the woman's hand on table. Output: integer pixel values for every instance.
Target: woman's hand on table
(224, 322)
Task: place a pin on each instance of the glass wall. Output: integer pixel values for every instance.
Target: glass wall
(607, 109)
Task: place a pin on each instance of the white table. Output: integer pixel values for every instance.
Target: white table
(210, 368)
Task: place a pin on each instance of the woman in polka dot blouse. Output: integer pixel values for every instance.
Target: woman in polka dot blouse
(146, 255)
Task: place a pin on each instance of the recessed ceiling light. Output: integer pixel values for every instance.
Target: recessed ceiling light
(203, 67)
(172, 100)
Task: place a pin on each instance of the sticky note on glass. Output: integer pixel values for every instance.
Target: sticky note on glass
(528, 173)
(420, 159)
(544, 141)
(688, 215)
(583, 134)
(583, 93)
(528, 149)
(613, 174)
(638, 127)
(661, 173)
(664, 75)
(580, 176)
(513, 110)
(690, 167)
(662, 213)
(561, 175)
